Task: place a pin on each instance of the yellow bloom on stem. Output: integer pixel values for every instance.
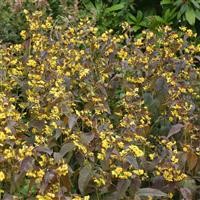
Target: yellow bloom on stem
(23, 34)
(2, 176)
(99, 181)
(31, 63)
(62, 170)
(139, 172)
(2, 136)
(135, 149)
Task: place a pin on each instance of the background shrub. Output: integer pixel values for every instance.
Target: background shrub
(143, 14)
(109, 14)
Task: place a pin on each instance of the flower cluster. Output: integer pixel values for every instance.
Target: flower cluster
(83, 113)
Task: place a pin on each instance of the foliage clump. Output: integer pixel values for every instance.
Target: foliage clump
(89, 116)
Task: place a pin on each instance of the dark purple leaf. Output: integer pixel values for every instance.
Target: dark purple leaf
(122, 187)
(132, 160)
(186, 193)
(86, 138)
(192, 160)
(37, 124)
(27, 164)
(8, 197)
(175, 129)
(49, 178)
(135, 185)
(146, 192)
(44, 150)
(84, 178)
(197, 57)
(72, 121)
(64, 149)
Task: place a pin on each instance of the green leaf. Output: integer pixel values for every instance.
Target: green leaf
(131, 17)
(136, 28)
(169, 15)
(146, 192)
(197, 13)
(144, 23)
(178, 3)
(139, 15)
(99, 6)
(114, 8)
(195, 3)
(153, 21)
(164, 2)
(182, 11)
(190, 16)
(89, 6)
(159, 19)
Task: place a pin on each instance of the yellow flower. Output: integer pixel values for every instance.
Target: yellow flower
(183, 28)
(23, 34)
(189, 32)
(120, 173)
(138, 42)
(7, 130)
(9, 153)
(152, 156)
(2, 136)
(174, 159)
(2, 176)
(170, 195)
(43, 161)
(105, 144)
(117, 171)
(31, 63)
(62, 170)
(139, 172)
(86, 197)
(45, 197)
(99, 181)
(186, 148)
(2, 115)
(150, 198)
(122, 54)
(149, 35)
(135, 149)
(125, 175)
(168, 176)
(104, 37)
(84, 72)
(120, 144)
(76, 198)
(149, 49)
(100, 156)
(25, 11)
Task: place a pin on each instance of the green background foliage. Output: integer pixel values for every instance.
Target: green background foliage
(107, 14)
